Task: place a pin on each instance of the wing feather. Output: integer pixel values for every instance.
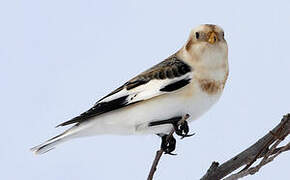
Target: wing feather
(168, 76)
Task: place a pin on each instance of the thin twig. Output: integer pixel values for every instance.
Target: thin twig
(160, 151)
(285, 148)
(258, 150)
(255, 169)
(275, 136)
(261, 149)
(154, 164)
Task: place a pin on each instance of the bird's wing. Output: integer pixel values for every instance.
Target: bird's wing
(168, 76)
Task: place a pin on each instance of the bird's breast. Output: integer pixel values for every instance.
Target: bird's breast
(200, 95)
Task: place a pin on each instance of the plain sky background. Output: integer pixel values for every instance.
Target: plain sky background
(59, 57)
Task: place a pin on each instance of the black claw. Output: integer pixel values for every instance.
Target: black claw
(182, 129)
(172, 154)
(188, 135)
(168, 145)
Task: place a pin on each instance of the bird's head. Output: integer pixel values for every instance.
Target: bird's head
(207, 39)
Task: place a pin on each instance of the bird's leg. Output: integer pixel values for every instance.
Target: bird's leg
(181, 129)
(168, 144)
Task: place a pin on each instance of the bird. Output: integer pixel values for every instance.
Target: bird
(189, 82)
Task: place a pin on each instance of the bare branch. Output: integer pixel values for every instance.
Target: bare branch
(258, 150)
(160, 152)
(255, 169)
(154, 165)
(265, 148)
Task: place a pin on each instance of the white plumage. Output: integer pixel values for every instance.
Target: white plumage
(189, 82)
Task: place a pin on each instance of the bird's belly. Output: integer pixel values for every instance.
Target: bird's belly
(134, 119)
(200, 104)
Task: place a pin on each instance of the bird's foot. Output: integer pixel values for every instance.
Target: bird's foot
(181, 129)
(168, 144)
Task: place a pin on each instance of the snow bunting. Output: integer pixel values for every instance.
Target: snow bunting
(188, 82)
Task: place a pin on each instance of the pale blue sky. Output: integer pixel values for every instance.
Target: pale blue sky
(56, 60)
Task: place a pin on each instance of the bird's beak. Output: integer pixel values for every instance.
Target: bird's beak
(212, 37)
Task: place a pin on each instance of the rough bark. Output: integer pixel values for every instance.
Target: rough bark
(265, 148)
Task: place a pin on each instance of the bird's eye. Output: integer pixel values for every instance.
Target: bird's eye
(197, 35)
(223, 34)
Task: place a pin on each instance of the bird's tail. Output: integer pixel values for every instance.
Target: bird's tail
(53, 142)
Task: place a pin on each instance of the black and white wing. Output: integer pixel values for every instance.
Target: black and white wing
(168, 76)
